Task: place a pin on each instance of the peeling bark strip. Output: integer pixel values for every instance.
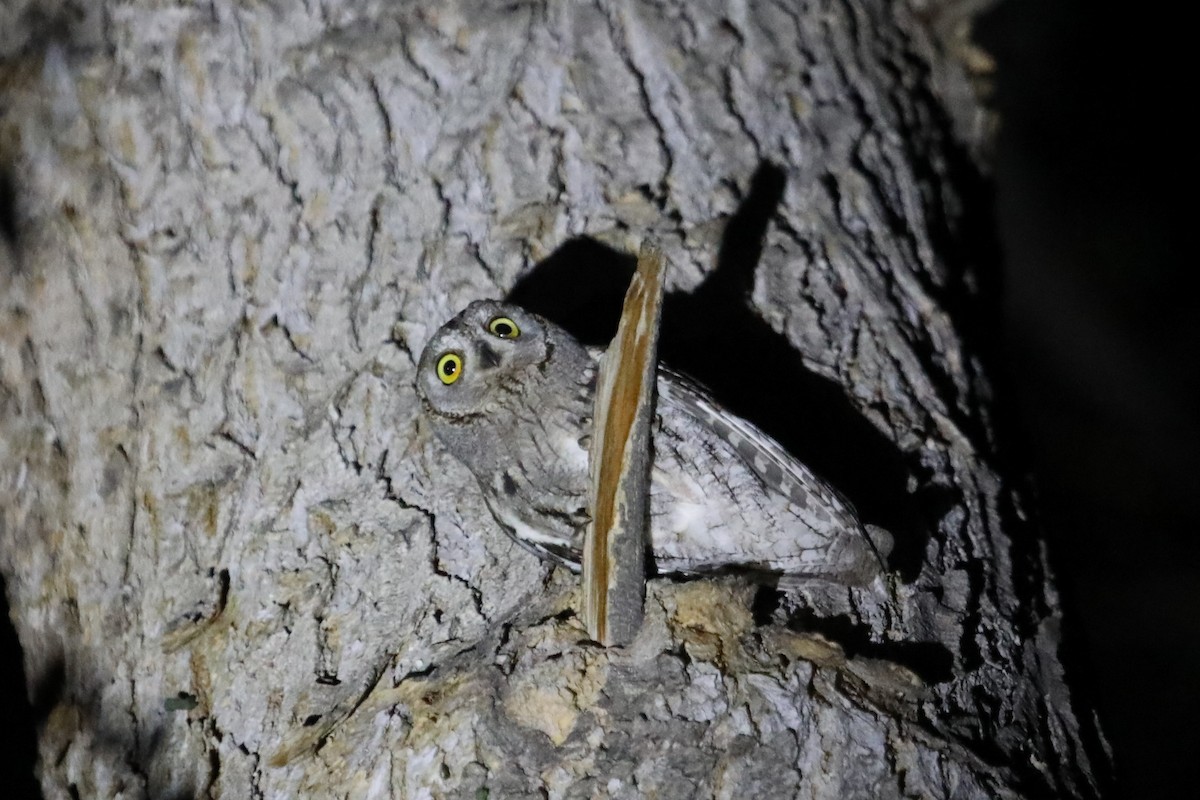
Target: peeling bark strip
(614, 554)
(234, 226)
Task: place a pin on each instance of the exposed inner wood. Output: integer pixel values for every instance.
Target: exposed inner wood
(624, 406)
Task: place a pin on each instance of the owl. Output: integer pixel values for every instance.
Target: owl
(511, 394)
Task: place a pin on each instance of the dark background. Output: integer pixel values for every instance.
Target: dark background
(1093, 180)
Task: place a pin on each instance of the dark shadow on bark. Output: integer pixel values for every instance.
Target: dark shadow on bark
(20, 748)
(8, 207)
(931, 661)
(579, 286)
(712, 335)
(50, 691)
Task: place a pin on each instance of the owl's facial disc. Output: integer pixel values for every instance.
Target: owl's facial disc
(464, 365)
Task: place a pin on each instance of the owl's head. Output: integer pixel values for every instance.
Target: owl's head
(475, 358)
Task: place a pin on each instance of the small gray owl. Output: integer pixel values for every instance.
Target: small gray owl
(510, 394)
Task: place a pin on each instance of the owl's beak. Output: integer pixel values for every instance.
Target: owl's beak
(486, 355)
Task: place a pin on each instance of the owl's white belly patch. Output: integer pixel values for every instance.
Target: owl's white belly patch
(522, 529)
(567, 446)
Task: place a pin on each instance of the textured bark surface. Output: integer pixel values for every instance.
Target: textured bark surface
(237, 569)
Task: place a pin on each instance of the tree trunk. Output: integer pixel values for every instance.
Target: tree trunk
(238, 568)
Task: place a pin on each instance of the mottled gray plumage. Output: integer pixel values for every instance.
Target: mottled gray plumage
(517, 412)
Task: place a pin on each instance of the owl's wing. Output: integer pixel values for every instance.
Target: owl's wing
(779, 471)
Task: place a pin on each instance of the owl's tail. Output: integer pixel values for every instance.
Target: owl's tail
(870, 556)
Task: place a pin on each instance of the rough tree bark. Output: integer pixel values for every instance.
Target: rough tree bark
(237, 569)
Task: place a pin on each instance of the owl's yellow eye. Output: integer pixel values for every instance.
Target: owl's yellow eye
(449, 367)
(503, 327)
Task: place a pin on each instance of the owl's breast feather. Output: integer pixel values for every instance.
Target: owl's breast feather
(566, 446)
